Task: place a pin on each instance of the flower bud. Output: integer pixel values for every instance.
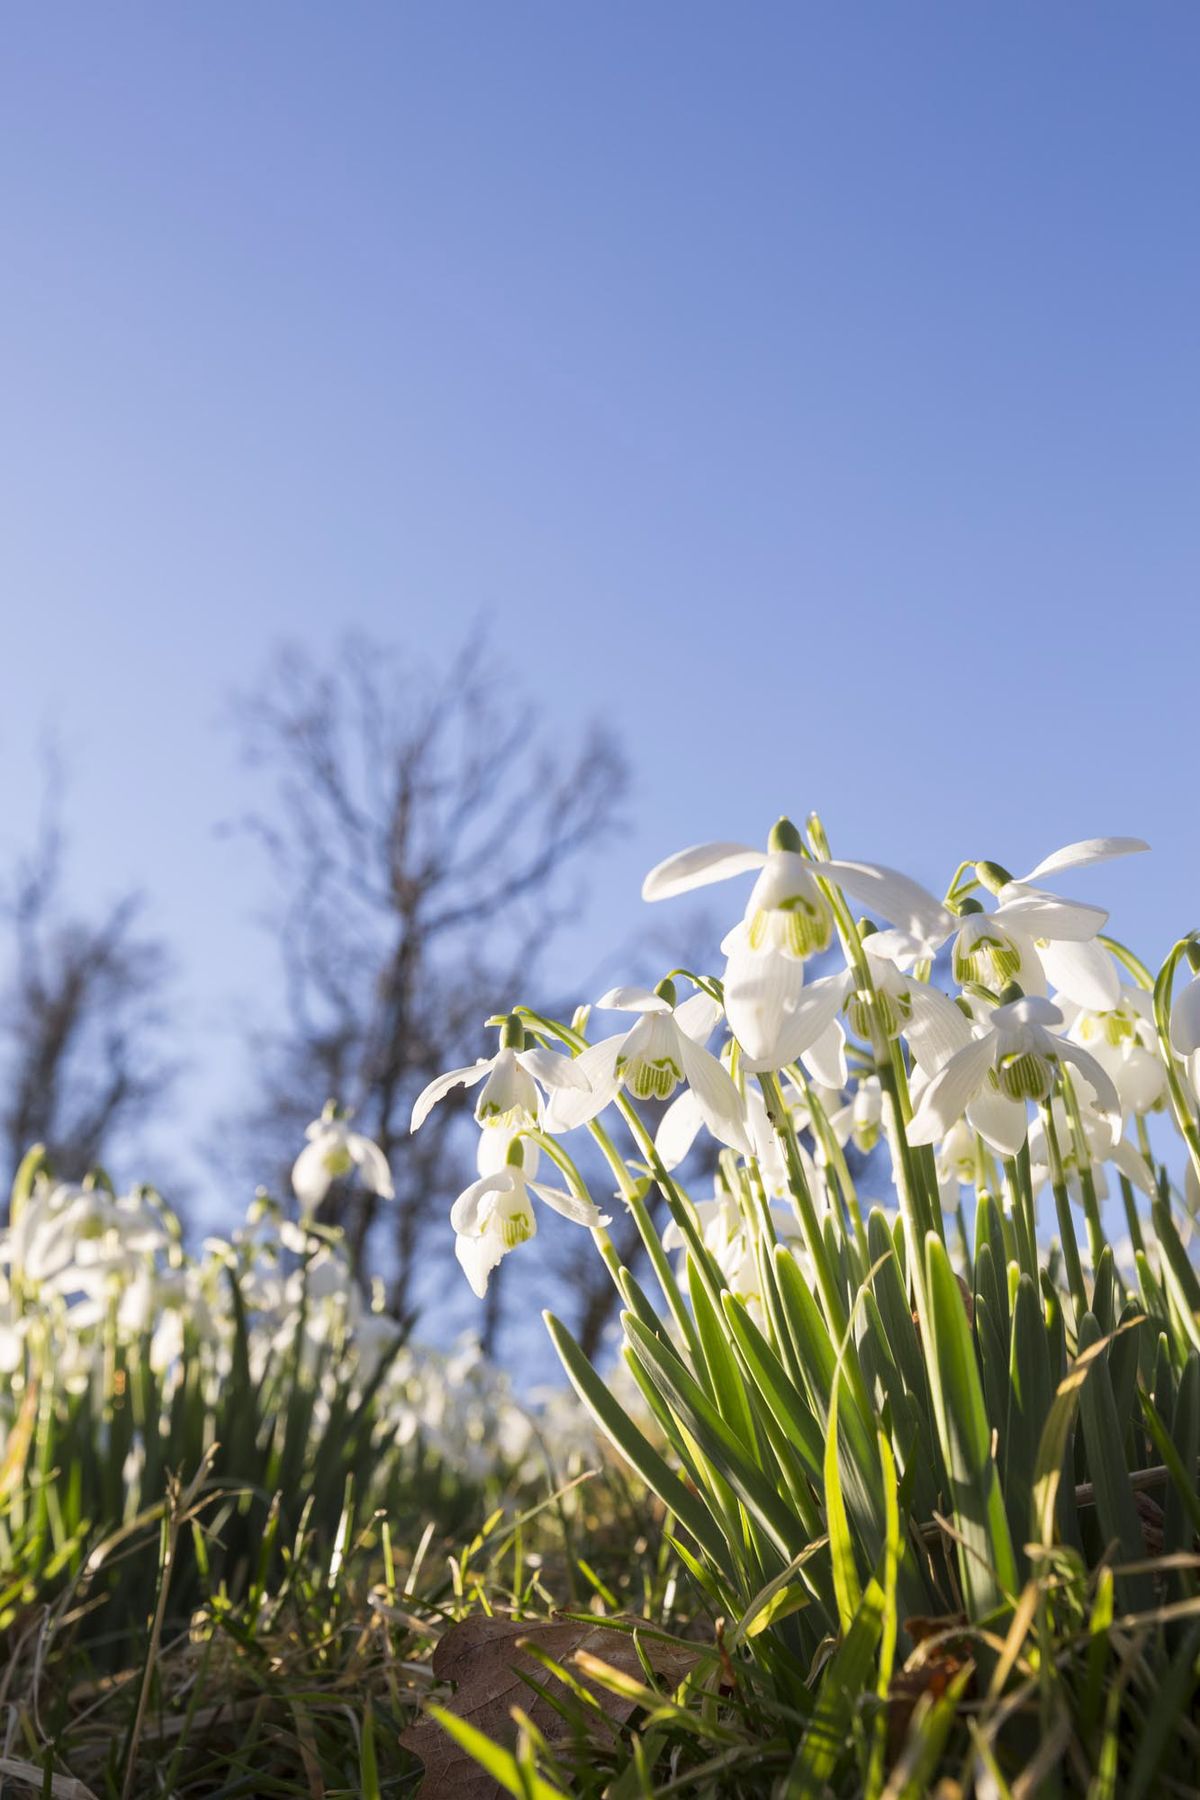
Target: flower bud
(993, 875)
(784, 836)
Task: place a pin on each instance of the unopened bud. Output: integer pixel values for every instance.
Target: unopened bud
(993, 875)
(784, 836)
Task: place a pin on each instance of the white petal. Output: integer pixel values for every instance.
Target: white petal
(678, 1128)
(900, 947)
(825, 1058)
(937, 1028)
(478, 1256)
(464, 1214)
(1000, 1122)
(580, 1212)
(553, 1070)
(697, 1015)
(633, 999)
(1049, 915)
(696, 867)
(815, 1010)
(1097, 1078)
(893, 896)
(311, 1176)
(1088, 850)
(1133, 1166)
(1185, 1019)
(762, 991)
(373, 1165)
(1085, 973)
(946, 1098)
(1032, 1009)
(441, 1085)
(569, 1107)
(719, 1102)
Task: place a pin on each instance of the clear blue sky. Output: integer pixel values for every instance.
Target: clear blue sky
(812, 390)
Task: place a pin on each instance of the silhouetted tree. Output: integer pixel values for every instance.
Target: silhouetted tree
(426, 840)
(82, 1058)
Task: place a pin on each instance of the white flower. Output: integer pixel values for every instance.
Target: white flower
(862, 1119)
(1031, 937)
(1011, 1058)
(495, 1214)
(333, 1150)
(787, 918)
(510, 1096)
(1185, 1029)
(665, 1047)
(1102, 1147)
(1124, 1042)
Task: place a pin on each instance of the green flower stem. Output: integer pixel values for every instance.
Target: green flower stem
(659, 1260)
(1083, 1162)
(1023, 1217)
(914, 1200)
(835, 1157)
(806, 1212)
(559, 1157)
(1066, 1225)
(1131, 1214)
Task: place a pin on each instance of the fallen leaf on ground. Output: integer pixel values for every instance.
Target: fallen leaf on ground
(480, 1656)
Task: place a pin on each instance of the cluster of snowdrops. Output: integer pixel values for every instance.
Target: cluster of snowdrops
(90, 1279)
(1042, 1045)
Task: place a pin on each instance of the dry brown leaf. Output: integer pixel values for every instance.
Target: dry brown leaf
(480, 1656)
(927, 1671)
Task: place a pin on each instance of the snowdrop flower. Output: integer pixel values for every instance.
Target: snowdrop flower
(332, 1151)
(1102, 1147)
(787, 919)
(1123, 1041)
(1031, 937)
(862, 1120)
(1011, 1058)
(510, 1094)
(956, 1164)
(665, 1047)
(495, 1214)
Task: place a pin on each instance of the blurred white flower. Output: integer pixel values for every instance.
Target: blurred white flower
(332, 1151)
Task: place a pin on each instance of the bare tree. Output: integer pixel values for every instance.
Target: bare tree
(83, 1065)
(425, 841)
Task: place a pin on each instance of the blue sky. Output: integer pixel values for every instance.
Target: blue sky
(810, 391)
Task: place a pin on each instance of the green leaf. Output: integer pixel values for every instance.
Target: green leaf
(500, 1764)
(987, 1565)
(697, 1413)
(1029, 1399)
(845, 1679)
(615, 1422)
(845, 1576)
(1115, 1504)
(1056, 1433)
